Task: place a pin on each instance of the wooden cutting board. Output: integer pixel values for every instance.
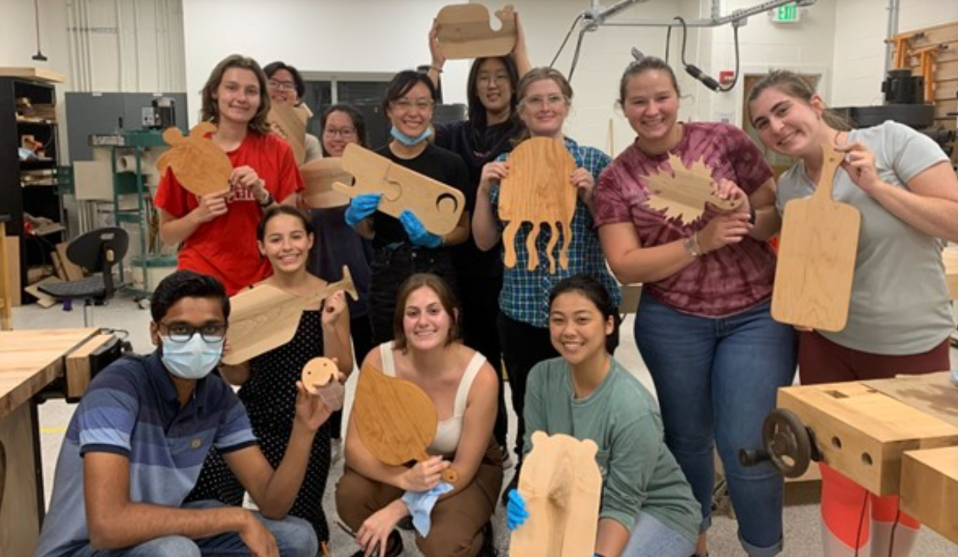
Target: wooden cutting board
(395, 418)
(199, 165)
(320, 376)
(320, 175)
(289, 122)
(437, 205)
(562, 486)
(265, 317)
(816, 256)
(538, 190)
(682, 193)
(465, 31)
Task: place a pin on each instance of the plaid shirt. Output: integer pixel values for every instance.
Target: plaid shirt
(525, 294)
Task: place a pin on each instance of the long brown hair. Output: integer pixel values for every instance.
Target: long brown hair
(446, 298)
(794, 86)
(210, 109)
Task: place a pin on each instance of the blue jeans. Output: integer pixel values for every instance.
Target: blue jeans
(716, 380)
(651, 538)
(294, 537)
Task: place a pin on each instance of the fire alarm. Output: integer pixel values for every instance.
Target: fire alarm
(726, 77)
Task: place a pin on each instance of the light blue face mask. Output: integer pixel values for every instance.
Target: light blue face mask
(193, 359)
(410, 141)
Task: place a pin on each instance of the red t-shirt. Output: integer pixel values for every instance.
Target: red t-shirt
(724, 282)
(226, 247)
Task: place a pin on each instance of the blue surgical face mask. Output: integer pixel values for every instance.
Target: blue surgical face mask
(193, 359)
(410, 141)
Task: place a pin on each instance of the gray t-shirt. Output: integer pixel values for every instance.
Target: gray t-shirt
(900, 302)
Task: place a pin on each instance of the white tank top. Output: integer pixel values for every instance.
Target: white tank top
(448, 431)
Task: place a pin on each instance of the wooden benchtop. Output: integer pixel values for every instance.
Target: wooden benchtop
(950, 257)
(30, 359)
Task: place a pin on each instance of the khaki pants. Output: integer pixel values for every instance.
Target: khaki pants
(457, 521)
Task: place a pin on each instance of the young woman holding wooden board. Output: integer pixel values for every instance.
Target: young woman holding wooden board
(647, 508)
(462, 385)
(218, 232)
(899, 319)
(268, 381)
(545, 98)
(703, 325)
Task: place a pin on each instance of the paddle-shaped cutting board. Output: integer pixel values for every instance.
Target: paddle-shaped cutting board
(562, 486)
(395, 419)
(320, 175)
(437, 205)
(289, 122)
(265, 317)
(816, 256)
(539, 190)
(200, 165)
(465, 32)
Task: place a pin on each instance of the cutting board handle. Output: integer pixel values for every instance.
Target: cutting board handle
(831, 160)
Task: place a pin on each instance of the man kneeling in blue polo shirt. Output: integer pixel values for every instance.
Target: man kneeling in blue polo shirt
(138, 439)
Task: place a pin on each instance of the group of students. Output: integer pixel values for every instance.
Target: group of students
(161, 441)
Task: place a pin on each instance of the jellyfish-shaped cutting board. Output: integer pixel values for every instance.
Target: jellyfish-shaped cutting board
(200, 165)
(562, 487)
(538, 190)
(465, 31)
(437, 205)
(395, 418)
(265, 317)
(816, 256)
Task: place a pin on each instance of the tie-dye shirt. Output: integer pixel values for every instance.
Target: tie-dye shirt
(724, 282)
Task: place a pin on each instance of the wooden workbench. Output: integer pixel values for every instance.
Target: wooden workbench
(29, 360)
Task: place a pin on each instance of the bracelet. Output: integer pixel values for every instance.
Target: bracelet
(266, 202)
(693, 247)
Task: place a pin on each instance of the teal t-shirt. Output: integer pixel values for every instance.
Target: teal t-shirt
(638, 471)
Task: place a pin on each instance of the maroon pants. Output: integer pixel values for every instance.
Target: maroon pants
(822, 361)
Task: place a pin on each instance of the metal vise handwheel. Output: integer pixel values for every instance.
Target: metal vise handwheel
(788, 442)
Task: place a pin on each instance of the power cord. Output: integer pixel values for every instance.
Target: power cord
(696, 72)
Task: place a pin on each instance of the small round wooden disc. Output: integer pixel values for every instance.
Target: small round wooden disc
(318, 373)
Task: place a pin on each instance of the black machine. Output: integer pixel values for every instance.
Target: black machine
(905, 104)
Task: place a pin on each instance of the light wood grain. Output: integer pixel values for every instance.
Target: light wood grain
(437, 205)
(683, 192)
(19, 521)
(40, 74)
(562, 487)
(289, 122)
(538, 190)
(266, 317)
(32, 359)
(78, 370)
(929, 489)
(816, 257)
(199, 165)
(950, 258)
(863, 433)
(465, 31)
(320, 175)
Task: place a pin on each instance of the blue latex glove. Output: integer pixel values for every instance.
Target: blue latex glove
(516, 512)
(418, 234)
(420, 504)
(361, 207)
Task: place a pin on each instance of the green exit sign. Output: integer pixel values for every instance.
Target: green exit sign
(786, 14)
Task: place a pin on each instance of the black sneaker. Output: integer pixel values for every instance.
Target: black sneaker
(393, 546)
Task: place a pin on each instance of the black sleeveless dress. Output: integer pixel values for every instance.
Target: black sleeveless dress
(270, 399)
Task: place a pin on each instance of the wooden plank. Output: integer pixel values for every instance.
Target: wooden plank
(12, 266)
(43, 300)
(78, 365)
(40, 74)
(32, 359)
(70, 269)
(19, 522)
(863, 433)
(929, 489)
(932, 393)
(816, 257)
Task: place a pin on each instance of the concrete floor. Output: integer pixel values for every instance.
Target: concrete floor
(802, 532)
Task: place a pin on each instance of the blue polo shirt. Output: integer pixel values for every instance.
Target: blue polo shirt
(131, 409)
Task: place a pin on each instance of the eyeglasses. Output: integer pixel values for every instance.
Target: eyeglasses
(538, 102)
(345, 133)
(486, 80)
(282, 85)
(422, 105)
(179, 332)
